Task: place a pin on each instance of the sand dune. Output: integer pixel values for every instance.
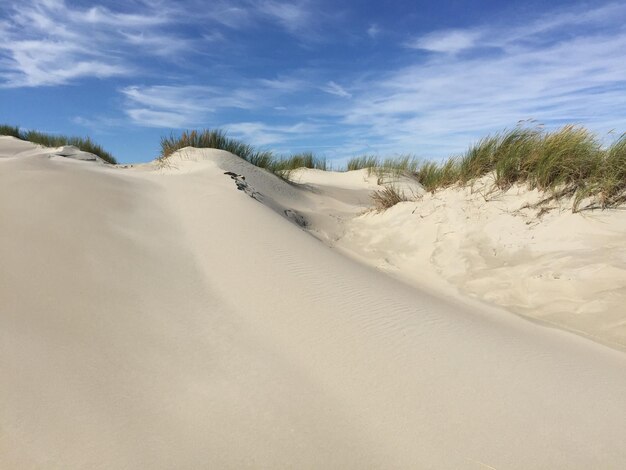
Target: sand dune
(157, 317)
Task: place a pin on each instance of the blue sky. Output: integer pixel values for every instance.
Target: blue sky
(339, 78)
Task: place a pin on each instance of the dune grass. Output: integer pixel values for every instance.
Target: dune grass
(363, 162)
(387, 197)
(50, 140)
(217, 139)
(299, 160)
(607, 184)
(13, 131)
(567, 162)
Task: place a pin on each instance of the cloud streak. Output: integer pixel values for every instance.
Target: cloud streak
(52, 42)
(48, 42)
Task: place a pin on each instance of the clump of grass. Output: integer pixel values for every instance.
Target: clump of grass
(565, 160)
(513, 149)
(299, 160)
(13, 131)
(365, 161)
(405, 165)
(387, 197)
(50, 140)
(479, 159)
(562, 159)
(608, 184)
(433, 176)
(215, 139)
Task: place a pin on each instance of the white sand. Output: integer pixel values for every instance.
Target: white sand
(546, 263)
(159, 318)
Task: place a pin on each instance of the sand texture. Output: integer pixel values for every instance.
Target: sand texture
(160, 317)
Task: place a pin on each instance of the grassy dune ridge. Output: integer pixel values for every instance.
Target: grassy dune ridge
(50, 140)
(567, 162)
(217, 139)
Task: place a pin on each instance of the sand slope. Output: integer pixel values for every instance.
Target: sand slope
(546, 263)
(161, 318)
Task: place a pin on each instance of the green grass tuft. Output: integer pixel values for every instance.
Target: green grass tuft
(299, 160)
(215, 139)
(13, 131)
(567, 162)
(435, 176)
(360, 163)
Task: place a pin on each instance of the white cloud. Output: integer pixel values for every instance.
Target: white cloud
(290, 15)
(264, 134)
(39, 63)
(180, 106)
(451, 41)
(48, 42)
(156, 118)
(111, 41)
(336, 89)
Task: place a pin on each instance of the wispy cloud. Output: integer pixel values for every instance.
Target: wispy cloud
(182, 106)
(265, 134)
(45, 62)
(48, 42)
(336, 89)
(53, 42)
(293, 16)
(446, 41)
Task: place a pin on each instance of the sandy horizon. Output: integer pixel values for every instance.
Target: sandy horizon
(180, 317)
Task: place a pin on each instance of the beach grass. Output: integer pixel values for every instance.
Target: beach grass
(13, 131)
(217, 139)
(362, 162)
(566, 162)
(387, 197)
(54, 140)
(300, 160)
